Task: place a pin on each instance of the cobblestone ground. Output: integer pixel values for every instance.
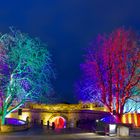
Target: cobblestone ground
(38, 133)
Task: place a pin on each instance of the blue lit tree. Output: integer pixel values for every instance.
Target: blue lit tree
(25, 71)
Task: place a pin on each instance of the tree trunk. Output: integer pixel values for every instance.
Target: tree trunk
(118, 118)
(4, 113)
(3, 119)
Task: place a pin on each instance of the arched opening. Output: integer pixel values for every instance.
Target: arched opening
(59, 121)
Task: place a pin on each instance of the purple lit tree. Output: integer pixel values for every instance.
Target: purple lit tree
(25, 71)
(111, 71)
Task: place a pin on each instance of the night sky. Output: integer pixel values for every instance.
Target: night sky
(68, 26)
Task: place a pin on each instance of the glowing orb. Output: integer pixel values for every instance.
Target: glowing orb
(60, 122)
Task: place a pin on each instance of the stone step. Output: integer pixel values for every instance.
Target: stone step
(135, 132)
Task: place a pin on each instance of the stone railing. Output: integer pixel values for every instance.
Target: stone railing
(12, 128)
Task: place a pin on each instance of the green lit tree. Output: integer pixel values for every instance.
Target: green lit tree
(25, 71)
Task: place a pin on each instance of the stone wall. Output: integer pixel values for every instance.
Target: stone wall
(70, 112)
(11, 128)
(36, 115)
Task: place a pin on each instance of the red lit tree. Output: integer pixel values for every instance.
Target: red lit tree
(112, 70)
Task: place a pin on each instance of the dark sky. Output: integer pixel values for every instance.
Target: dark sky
(68, 26)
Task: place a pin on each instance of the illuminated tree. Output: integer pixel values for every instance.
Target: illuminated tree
(112, 71)
(25, 71)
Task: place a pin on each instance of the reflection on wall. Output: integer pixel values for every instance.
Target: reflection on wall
(132, 118)
(24, 116)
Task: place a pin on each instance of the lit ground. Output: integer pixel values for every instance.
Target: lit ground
(65, 134)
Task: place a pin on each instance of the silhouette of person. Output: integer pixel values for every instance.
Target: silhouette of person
(53, 125)
(27, 120)
(41, 122)
(48, 125)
